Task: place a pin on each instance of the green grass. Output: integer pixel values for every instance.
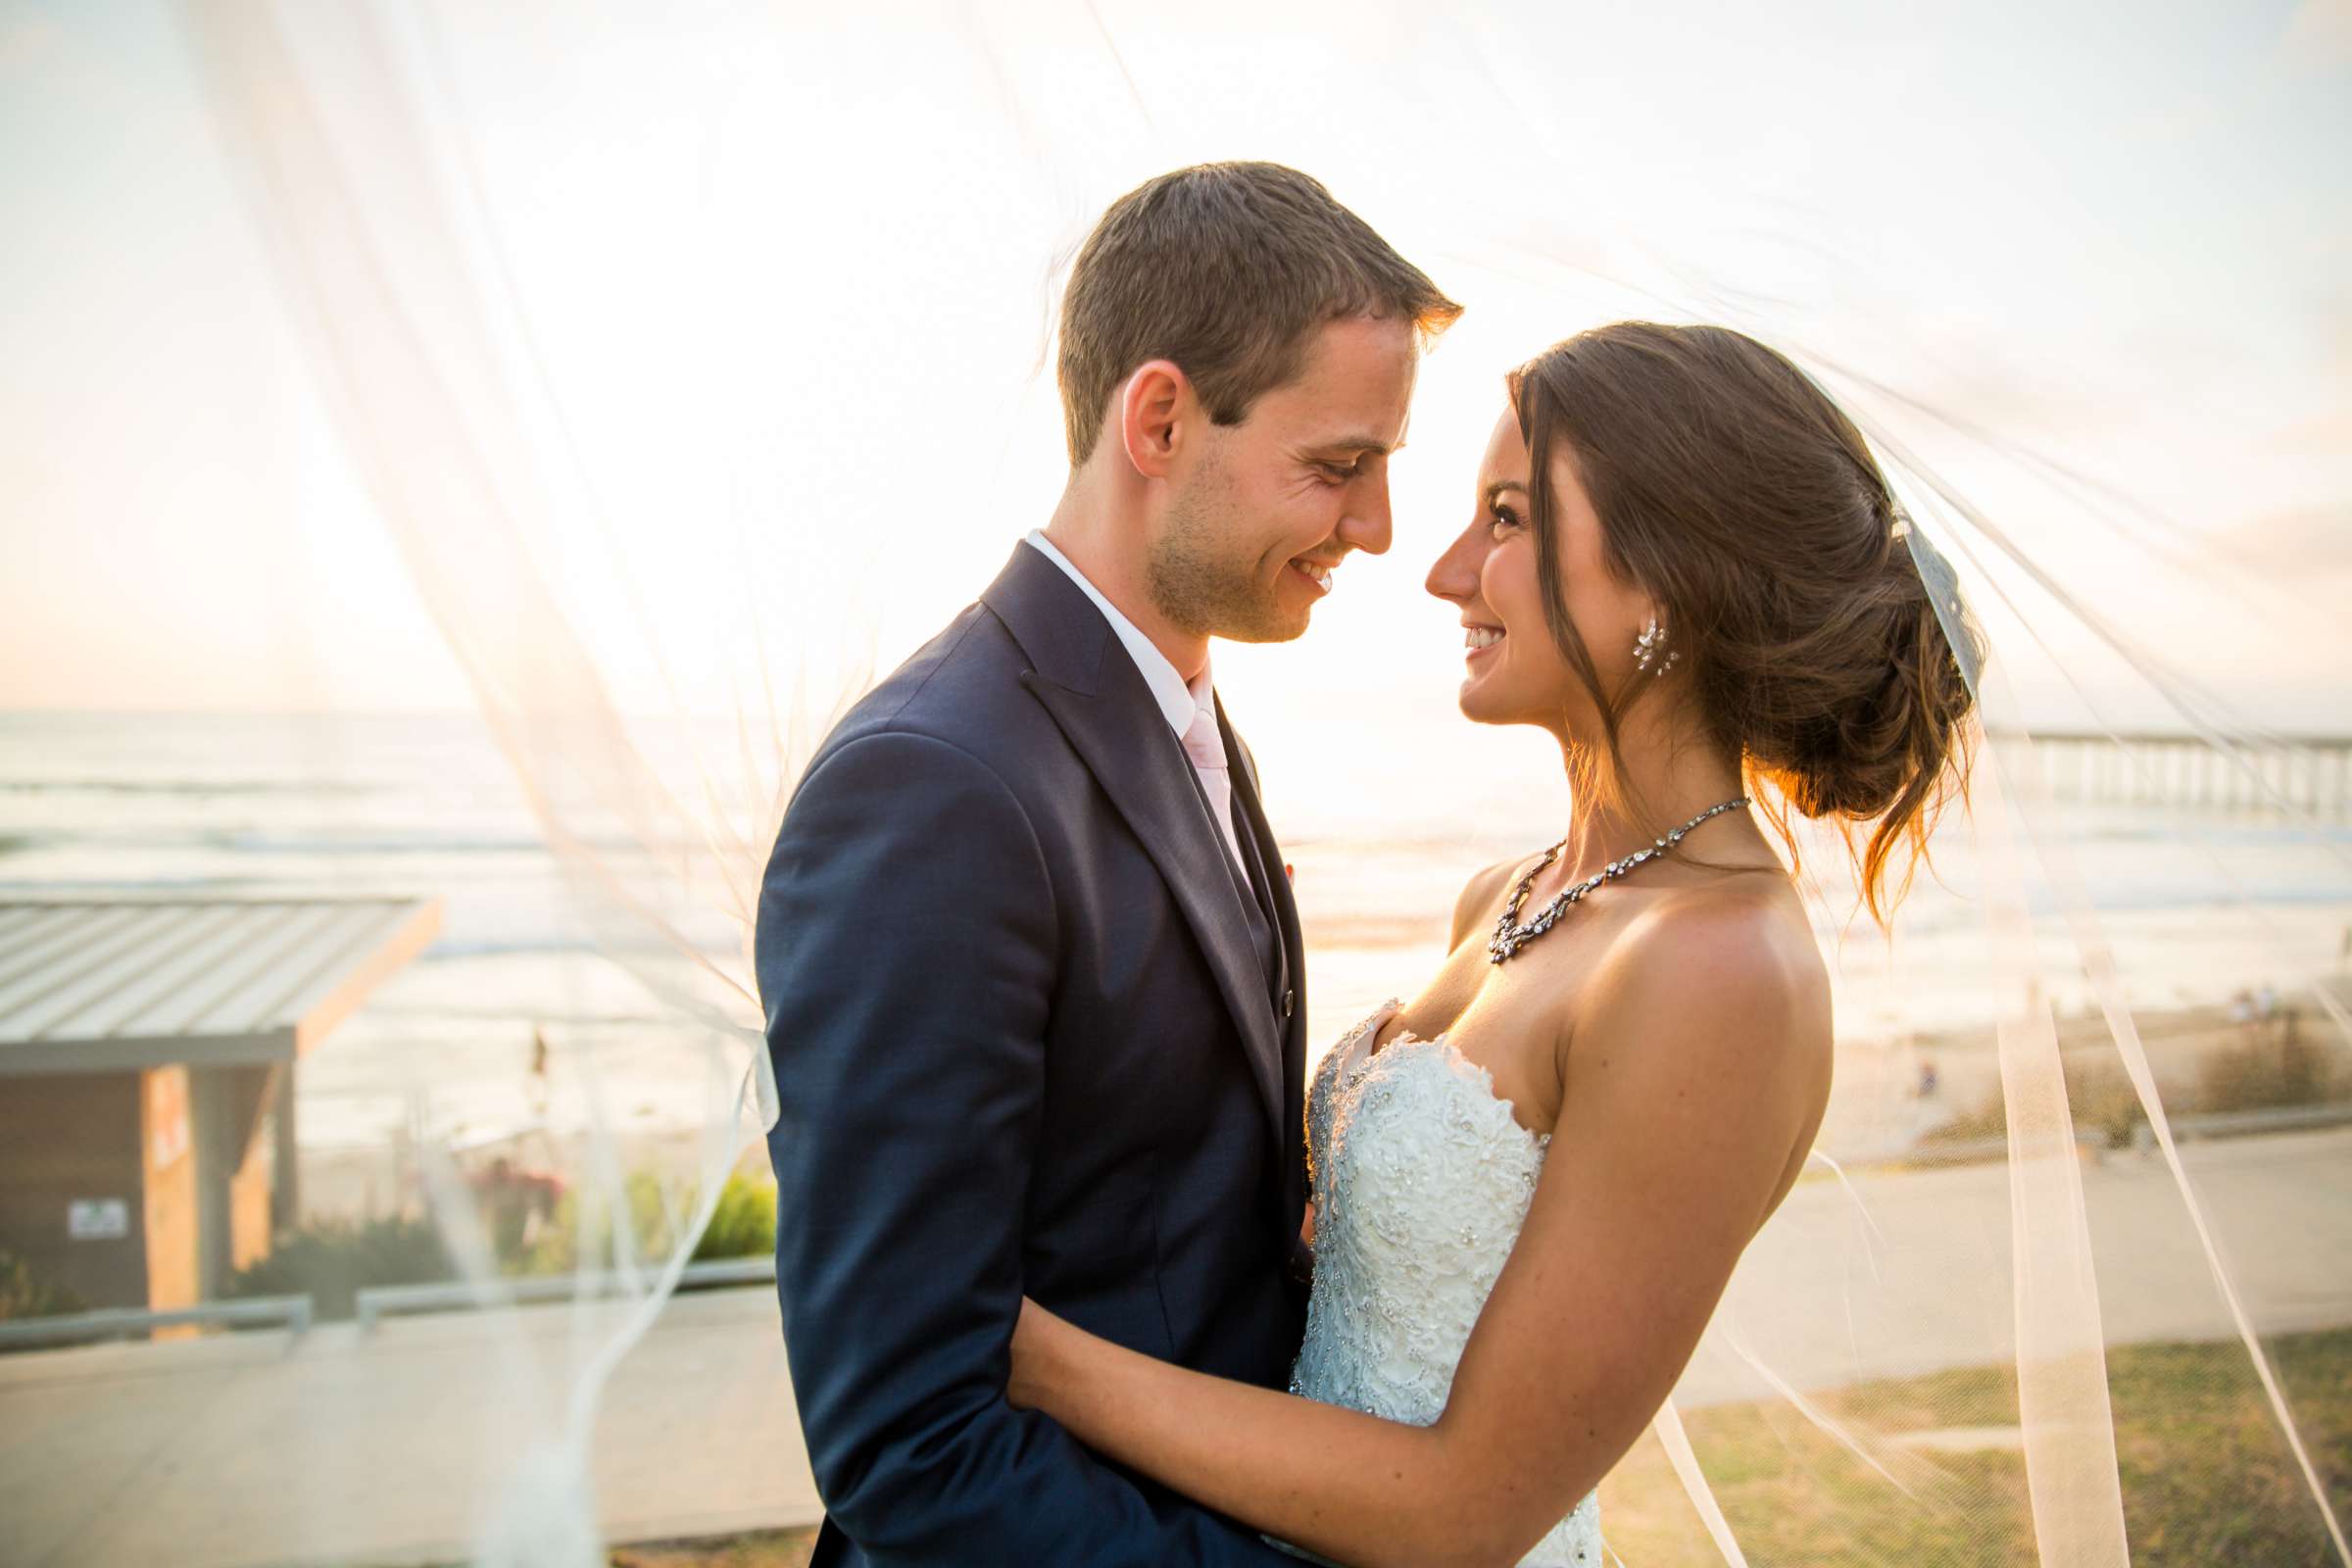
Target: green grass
(331, 1260)
(742, 1225)
(758, 1548)
(2281, 1067)
(2098, 1095)
(2207, 1476)
(24, 1293)
(2263, 1067)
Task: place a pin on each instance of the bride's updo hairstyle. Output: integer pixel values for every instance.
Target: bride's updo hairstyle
(1732, 490)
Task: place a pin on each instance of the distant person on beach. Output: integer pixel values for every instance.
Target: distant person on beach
(536, 1083)
(2245, 1016)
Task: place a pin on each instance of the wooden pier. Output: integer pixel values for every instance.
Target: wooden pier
(2309, 773)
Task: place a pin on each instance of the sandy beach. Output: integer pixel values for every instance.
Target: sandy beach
(1878, 1113)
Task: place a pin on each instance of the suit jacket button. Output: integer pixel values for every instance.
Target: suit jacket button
(1286, 997)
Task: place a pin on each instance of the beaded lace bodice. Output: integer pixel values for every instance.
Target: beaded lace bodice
(1421, 1179)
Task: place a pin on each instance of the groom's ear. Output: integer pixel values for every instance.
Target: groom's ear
(1156, 407)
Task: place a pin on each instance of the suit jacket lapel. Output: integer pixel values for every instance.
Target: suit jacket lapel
(1293, 1021)
(1275, 899)
(1097, 697)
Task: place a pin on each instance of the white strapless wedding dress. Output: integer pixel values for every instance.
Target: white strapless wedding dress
(1421, 1180)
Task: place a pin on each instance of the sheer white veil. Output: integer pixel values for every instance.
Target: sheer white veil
(592, 299)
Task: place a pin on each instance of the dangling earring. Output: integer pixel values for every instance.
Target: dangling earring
(1649, 646)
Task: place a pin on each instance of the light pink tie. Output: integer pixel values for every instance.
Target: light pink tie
(1206, 748)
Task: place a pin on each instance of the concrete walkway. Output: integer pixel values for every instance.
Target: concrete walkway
(1929, 1287)
(239, 1451)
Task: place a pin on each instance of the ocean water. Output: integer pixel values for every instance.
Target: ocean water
(2194, 904)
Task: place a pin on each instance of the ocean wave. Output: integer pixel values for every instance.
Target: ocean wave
(340, 789)
(445, 949)
(253, 842)
(266, 842)
(384, 1014)
(499, 840)
(234, 842)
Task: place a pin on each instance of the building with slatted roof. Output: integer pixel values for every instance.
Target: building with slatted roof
(147, 1048)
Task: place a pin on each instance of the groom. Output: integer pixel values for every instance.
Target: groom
(1026, 950)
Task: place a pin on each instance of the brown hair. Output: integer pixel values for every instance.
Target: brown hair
(1733, 490)
(1228, 270)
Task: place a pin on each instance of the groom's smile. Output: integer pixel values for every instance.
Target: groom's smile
(1295, 487)
(1317, 573)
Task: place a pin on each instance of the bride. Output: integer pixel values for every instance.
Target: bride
(1532, 1180)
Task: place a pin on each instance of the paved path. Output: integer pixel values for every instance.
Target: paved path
(2281, 1205)
(237, 1452)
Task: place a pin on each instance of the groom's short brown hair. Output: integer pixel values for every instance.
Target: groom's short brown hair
(1228, 270)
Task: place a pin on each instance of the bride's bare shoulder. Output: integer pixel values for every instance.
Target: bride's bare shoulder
(1731, 962)
(1482, 896)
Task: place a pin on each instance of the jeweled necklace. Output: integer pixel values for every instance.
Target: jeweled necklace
(1508, 939)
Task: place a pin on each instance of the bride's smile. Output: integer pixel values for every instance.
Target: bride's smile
(1493, 572)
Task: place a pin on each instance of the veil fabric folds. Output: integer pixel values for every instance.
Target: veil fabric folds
(699, 362)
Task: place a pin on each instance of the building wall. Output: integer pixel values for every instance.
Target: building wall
(193, 1158)
(71, 1136)
(252, 1187)
(231, 1114)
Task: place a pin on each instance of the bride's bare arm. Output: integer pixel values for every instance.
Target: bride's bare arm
(1699, 1067)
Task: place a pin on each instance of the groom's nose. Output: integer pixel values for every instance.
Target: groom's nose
(1364, 525)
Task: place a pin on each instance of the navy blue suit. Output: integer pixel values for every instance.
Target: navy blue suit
(1031, 1034)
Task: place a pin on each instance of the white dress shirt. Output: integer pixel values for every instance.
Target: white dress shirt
(1191, 711)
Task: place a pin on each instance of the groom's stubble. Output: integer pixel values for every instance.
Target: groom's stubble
(1201, 572)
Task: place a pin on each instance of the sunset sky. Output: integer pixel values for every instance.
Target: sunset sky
(790, 281)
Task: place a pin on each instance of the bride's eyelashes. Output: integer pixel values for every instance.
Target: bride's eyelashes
(1504, 518)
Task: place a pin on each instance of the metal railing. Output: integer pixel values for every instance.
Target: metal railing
(377, 1301)
(2089, 1144)
(2240, 1123)
(294, 1311)
(297, 1313)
